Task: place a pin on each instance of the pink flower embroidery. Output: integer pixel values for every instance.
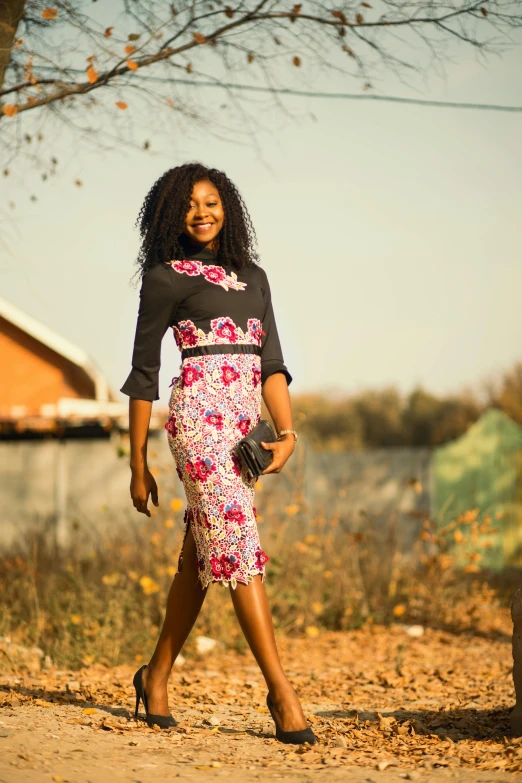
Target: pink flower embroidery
(204, 467)
(188, 334)
(216, 567)
(256, 377)
(187, 267)
(261, 559)
(243, 423)
(255, 329)
(171, 427)
(189, 467)
(224, 329)
(229, 374)
(224, 566)
(233, 512)
(236, 465)
(191, 373)
(214, 418)
(177, 337)
(214, 274)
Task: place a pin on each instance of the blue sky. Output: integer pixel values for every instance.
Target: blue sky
(390, 235)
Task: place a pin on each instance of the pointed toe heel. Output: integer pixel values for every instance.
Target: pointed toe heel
(300, 737)
(163, 721)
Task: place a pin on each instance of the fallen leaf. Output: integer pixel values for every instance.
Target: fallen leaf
(121, 105)
(49, 13)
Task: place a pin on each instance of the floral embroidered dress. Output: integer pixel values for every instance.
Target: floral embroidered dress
(224, 326)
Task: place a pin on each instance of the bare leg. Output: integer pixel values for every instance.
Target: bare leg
(252, 610)
(184, 602)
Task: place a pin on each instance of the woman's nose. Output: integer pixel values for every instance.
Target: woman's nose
(201, 211)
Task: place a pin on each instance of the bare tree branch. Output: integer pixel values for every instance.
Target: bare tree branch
(49, 48)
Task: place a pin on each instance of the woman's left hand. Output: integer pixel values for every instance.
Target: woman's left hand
(282, 450)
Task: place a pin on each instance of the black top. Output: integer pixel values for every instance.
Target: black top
(206, 303)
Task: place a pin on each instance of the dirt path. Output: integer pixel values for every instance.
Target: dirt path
(385, 707)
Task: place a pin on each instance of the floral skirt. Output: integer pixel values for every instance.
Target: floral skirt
(214, 403)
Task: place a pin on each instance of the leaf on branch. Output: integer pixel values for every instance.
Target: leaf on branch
(349, 51)
(108, 32)
(132, 66)
(129, 49)
(78, 184)
(250, 57)
(339, 15)
(229, 12)
(367, 5)
(170, 102)
(296, 61)
(277, 41)
(199, 38)
(92, 74)
(296, 10)
(484, 11)
(134, 36)
(49, 13)
(121, 105)
(188, 68)
(10, 110)
(359, 18)
(146, 145)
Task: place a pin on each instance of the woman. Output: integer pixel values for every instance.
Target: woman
(200, 277)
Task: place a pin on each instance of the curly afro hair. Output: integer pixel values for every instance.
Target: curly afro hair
(162, 219)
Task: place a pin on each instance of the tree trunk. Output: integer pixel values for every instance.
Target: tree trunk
(516, 614)
(11, 12)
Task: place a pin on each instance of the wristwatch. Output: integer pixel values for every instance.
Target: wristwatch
(287, 432)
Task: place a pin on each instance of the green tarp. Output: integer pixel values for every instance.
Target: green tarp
(483, 470)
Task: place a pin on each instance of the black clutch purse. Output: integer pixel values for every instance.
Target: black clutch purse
(252, 455)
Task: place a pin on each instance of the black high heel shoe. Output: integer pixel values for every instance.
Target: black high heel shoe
(163, 721)
(291, 737)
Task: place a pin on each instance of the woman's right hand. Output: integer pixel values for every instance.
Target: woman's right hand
(142, 485)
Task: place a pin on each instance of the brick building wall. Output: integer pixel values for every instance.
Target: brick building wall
(32, 375)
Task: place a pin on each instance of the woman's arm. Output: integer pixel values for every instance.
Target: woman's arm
(158, 301)
(277, 400)
(143, 483)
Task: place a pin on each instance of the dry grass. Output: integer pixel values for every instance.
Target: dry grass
(106, 606)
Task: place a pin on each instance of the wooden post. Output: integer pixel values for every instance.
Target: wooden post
(516, 615)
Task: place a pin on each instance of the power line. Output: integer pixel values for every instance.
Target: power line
(347, 96)
(329, 95)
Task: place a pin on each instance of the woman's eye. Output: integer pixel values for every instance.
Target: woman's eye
(212, 204)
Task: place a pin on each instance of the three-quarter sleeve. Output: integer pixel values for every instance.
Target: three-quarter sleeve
(158, 304)
(271, 355)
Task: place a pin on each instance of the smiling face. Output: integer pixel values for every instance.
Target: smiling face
(205, 217)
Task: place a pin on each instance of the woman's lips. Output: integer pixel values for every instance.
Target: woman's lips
(202, 227)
